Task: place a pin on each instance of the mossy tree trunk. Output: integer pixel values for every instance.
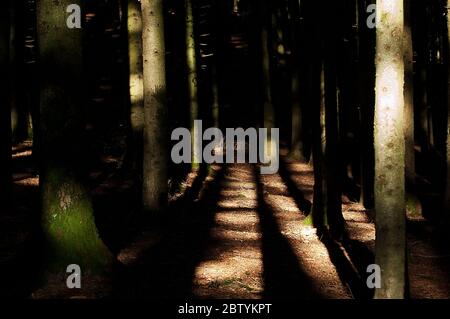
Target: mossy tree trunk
(5, 111)
(409, 98)
(136, 83)
(155, 166)
(390, 150)
(67, 213)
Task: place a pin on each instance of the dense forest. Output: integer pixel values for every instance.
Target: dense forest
(214, 149)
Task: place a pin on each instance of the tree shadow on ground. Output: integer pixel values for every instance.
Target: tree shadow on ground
(303, 204)
(351, 259)
(167, 268)
(283, 275)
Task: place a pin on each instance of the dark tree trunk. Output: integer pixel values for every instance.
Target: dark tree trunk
(5, 111)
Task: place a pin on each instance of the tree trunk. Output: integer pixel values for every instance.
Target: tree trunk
(191, 57)
(319, 214)
(410, 169)
(5, 111)
(390, 150)
(136, 84)
(67, 213)
(332, 155)
(447, 190)
(297, 150)
(155, 166)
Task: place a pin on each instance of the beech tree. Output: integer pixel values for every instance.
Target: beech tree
(68, 219)
(390, 150)
(155, 166)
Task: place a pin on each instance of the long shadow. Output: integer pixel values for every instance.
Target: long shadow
(283, 275)
(302, 203)
(351, 259)
(167, 269)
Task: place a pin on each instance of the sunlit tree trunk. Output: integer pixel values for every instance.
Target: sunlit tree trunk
(409, 98)
(191, 58)
(155, 166)
(67, 213)
(136, 84)
(390, 150)
(5, 111)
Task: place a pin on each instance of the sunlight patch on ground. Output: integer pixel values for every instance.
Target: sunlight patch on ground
(28, 182)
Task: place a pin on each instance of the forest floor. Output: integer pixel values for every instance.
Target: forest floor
(232, 233)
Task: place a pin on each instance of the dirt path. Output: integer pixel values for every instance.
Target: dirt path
(260, 246)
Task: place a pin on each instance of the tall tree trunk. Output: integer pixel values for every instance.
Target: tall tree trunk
(297, 150)
(268, 111)
(333, 158)
(366, 83)
(410, 165)
(5, 111)
(155, 166)
(319, 215)
(447, 190)
(136, 84)
(21, 100)
(191, 57)
(390, 150)
(67, 213)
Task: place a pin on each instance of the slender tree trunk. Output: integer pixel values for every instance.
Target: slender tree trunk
(319, 214)
(333, 158)
(155, 166)
(191, 57)
(390, 150)
(410, 166)
(5, 111)
(21, 100)
(447, 190)
(67, 213)
(136, 84)
(297, 150)
(268, 111)
(366, 97)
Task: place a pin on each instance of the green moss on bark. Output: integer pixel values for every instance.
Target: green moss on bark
(69, 226)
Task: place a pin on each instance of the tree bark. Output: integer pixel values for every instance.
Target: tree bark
(410, 168)
(136, 82)
(390, 150)
(67, 213)
(155, 166)
(333, 158)
(191, 58)
(297, 151)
